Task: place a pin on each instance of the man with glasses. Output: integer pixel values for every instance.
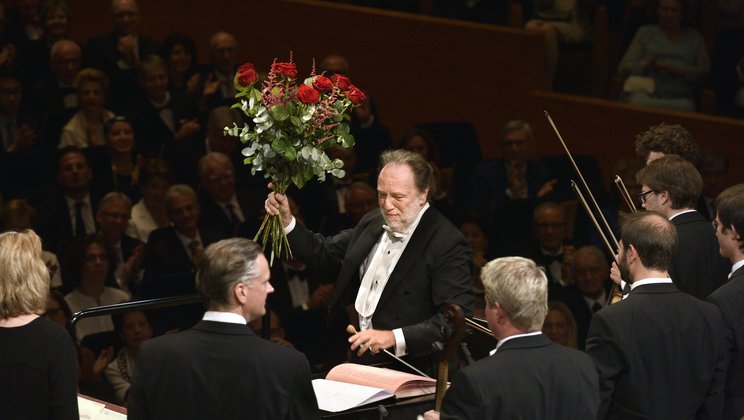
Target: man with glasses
(220, 369)
(729, 225)
(112, 216)
(504, 190)
(672, 186)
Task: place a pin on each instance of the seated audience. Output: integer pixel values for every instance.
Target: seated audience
(113, 218)
(559, 325)
(85, 128)
(38, 366)
(179, 53)
(149, 213)
(134, 328)
(125, 166)
(666, 62)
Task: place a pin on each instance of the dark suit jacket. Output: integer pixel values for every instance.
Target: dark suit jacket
(580, 310)
(435, 268)
(213, 217)
(528, 378)
(53, 222)
(660, 354)
(100, 52)
(555, 289)
(698, 268)
(219, 370)
(730, 300)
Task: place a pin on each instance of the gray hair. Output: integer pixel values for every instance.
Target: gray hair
(590, 250)
(177, 191)
(521, 289)
(223, 265)
(115, 196)
(516, 125)
(423, 177)
(61, 44)
(212, 156)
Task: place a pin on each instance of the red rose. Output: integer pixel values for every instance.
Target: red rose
(246, 74)
(307, 95)
(322, 84)
(341, 81)
(285, 69)
(356, 96)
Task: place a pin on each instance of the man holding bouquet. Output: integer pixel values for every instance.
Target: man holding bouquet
(397, 267)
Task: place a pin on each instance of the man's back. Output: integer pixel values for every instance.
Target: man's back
(659, 354)
(529, 377)
(221, 371)
(698, 268)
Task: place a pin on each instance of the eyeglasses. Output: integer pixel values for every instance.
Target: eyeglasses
(643, 195)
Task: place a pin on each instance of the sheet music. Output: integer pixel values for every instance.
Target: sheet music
(334, 396)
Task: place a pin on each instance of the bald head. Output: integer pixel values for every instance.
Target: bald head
(335, 64)
(223, 48)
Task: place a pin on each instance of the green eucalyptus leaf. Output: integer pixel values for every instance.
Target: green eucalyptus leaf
(279, 112)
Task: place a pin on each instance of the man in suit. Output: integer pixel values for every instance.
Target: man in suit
(70, 210)
(216, 81)
(659, 352)
(729, 298)
(672, 187)
(397, 267)
(220, 369)
(505, 191)
(510, 383)
(551, 251)
(222, 207)
(590, 291)
(118, 52)
(113, 216)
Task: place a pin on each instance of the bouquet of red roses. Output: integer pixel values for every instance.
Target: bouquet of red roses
(293, 125)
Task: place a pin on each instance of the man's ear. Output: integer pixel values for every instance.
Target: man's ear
(240, 293)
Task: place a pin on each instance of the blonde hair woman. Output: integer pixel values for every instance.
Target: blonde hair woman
(39, 368)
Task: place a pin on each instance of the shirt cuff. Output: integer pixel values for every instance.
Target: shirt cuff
(400, 342)
(290, 227)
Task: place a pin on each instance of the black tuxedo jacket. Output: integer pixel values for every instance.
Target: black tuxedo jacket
(529, 378)
(435, 268)
(581, 312)
(101, 53)
(698, 268)
(555, 289)
(213, 217)
(660, 354)
(53, 221)
(730, 300)
(220, 370)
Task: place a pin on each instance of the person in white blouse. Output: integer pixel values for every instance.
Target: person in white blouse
(149, 213)
(85, 128)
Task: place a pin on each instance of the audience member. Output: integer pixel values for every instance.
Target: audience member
(473, 229)
(113, 218)
(665, 62)
(18, 131)
(57, 310)
(552, 251)
(560, 22)
(672, 187)
(118, 52)
(68, 212)
(198, 366)
(371, 137)
(18, 215)
(89, 262)
(85, 128)
(223, 207)
(359, 198)
(729, 298)
(149, 213)
(179, 53)
(39, 362)
(54, 18)
(560, 325)
(590, 291)
(215, 87)
(421, 142)
(504, 191)
(509, 383)
(134, 328)
(633, 340)
(125, 165)
(53, 100)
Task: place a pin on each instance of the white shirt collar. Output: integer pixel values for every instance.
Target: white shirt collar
(71, 201)
(736, 266)
(161, 104)
(228, 317)
(651, 280)
(682, 212)
(505, 339)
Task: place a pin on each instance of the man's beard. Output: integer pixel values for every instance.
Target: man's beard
(622, 264)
